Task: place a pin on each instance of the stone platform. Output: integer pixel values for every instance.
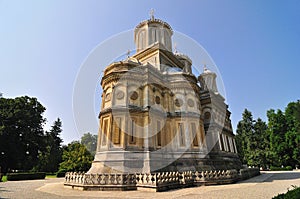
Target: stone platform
(157, 181)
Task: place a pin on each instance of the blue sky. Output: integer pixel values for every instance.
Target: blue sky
(255, 45)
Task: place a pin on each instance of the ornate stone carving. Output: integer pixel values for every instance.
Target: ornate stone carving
(133, 95)
(120, 95)
(178, 102)
(191, 103)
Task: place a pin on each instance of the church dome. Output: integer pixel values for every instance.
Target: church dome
(207, 71)
(184, 57)
(187, 62)
(153, 31)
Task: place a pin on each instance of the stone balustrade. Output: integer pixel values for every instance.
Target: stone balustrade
(157, 181)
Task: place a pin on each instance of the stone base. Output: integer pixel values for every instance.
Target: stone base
(158, 181)
(147, 162)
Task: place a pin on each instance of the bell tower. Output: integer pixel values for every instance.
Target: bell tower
(208, 80)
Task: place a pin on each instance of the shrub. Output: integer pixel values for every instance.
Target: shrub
(60, 174)
(287, 168)
(25, 176)
(291, 194)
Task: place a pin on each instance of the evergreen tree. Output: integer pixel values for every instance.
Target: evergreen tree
(52, 155)
(244, 132)
(260, 150)
(252, 141)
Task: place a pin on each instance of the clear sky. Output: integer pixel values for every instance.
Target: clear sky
(255, 45)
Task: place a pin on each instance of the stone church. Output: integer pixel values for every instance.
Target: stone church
(160, 126)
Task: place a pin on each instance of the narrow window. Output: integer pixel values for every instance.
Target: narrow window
(158, 134)
(221, 142)
(117, 130)
(181, 134)
(104, 131)
(141, 40)
(194, 134)
(228, 143)
(132, 138)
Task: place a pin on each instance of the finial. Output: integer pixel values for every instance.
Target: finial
(175, 47)
(151, 14)
(128, 53)
(204, 67)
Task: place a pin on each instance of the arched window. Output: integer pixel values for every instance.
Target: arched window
(141, 39)
(194, 135)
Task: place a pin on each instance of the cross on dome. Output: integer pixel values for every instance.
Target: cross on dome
(152, 14)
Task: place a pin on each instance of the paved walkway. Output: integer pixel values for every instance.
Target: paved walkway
(267, 185)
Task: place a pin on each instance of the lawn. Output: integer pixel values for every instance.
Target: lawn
(51, 176)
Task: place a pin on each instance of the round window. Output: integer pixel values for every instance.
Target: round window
(134, 95)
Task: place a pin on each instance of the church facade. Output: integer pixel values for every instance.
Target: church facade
(160, 126)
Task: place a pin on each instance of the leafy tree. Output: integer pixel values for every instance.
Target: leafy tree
(21, 132)
(277, 128)
(276, 144)
(75, 157)
(52, 155)
(90, 142)
(292, 136)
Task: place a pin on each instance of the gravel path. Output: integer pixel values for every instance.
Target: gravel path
(267, 185)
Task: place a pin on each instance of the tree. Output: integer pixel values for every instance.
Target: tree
(252, 141)
(260, 151)
(277, 128)
(52, 155)
(292, 136)
(21, 132)
(90, 142)
(75, 157)
(244, 130)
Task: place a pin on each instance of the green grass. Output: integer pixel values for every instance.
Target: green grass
(51, 176)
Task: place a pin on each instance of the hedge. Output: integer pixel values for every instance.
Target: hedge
(60, 174)
(287, 168)
(25, 176)
(291, 194)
